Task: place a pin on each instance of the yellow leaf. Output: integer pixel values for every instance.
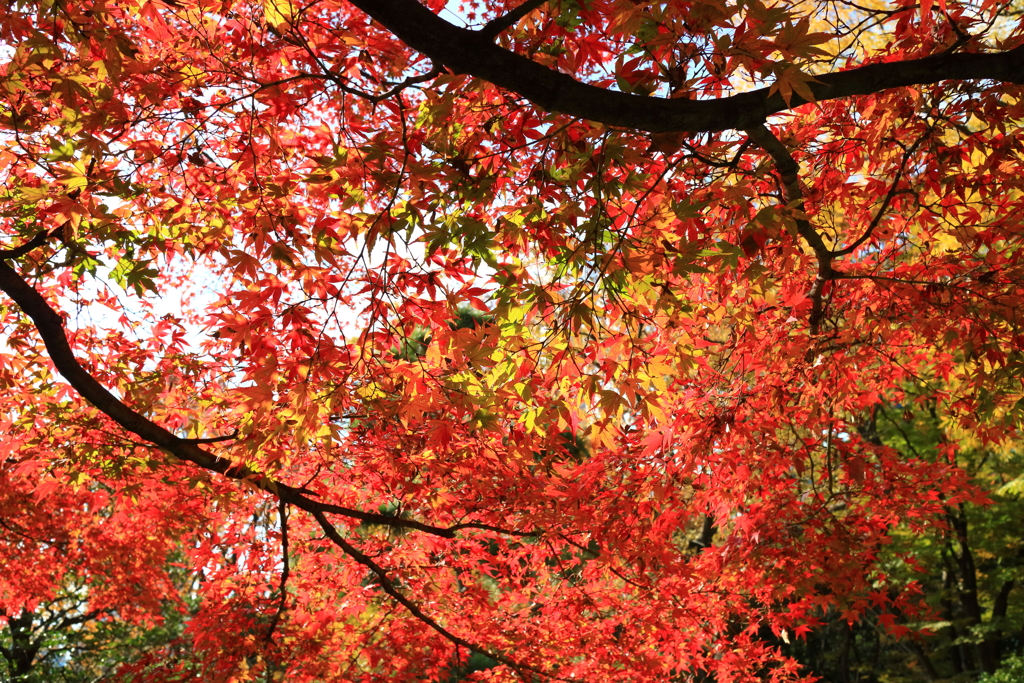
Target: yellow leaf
(279, 14)
(946, 243)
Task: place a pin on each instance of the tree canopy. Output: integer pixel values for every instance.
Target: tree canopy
(379, 340)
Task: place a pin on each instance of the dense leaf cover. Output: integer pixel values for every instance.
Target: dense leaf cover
(543, 340)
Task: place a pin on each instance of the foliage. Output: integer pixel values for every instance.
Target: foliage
(97, 575)
(388, 341)
(966, 568)
(1012, 671)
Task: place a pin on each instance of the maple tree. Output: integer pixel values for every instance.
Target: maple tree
(491, 340)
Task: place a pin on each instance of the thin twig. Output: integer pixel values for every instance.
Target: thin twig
(886, 201)
(282, 511)
(215, 439)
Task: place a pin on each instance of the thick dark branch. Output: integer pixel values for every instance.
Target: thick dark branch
(789, 171)
(707, 533)
(473, 52)
(495, 27)
(789, 174)
(31, 245)
(1002, 600)
(51, 329)
(388, 586)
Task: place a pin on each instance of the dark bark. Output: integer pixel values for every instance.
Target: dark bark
(473, 52)
(789, 170)
(927, 667)
(1002, 601)
(999, 608)
(707, 534)
(21, 655)
(844, 654)
(987, 650)
(947, 613)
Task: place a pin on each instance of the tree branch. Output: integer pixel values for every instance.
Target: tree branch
(473, 52)
(51, 328)
(1002, 600)
(388, 586)
(34, 243)
(789, 170)
(495, 27)
(282, 511)
(886, 201)
(214, 439)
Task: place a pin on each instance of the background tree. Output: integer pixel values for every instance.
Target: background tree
(94, 575)
(712, 238)
(967, 568)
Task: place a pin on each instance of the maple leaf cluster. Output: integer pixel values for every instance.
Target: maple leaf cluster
(495, 341)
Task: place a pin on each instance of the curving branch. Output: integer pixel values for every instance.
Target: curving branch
(789, 175)
(495, 27)
(474, 52)
(389, 587)
(34, 243)
(884, 206)
(50, 326)
(282, 511)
